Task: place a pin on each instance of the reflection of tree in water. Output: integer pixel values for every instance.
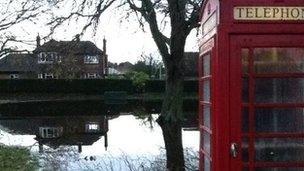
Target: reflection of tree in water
(59, 158)
(149, 116)
(146, 118)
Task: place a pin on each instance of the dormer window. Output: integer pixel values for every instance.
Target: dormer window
(48, 57)
(91, 59)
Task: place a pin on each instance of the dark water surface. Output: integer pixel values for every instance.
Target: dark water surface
(92, 135)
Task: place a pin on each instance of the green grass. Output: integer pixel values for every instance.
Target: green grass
(16, 158)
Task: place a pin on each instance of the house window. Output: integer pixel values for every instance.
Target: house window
(46, 76)
(14, 76)
(40, 76)
(92, 127)
(48, 57)
(91, 75)
(91, 59)
(58, 58)
(50, 132)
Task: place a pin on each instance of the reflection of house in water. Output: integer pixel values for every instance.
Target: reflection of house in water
(57, 131)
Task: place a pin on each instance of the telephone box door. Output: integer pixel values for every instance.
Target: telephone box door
(266, 102)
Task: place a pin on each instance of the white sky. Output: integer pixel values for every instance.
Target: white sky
(125, 40)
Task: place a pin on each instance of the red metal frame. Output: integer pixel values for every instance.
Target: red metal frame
(228, 37)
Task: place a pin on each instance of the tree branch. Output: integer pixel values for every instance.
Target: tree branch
(83, 11)
(193, 20)
(4, 50)
(148, 12)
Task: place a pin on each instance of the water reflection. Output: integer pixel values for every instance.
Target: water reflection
(92, 129)
(57, 131)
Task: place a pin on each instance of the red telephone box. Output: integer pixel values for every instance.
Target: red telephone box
(251, 79)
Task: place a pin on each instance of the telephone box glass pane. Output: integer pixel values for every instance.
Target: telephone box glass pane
(279, 90)
(206, 65)
(278, 60)
(279, 149)
(206, 116)
(206, 88)
(207, 142)
(245, 60)
(279, 120)
(245, 120)
(206, 164)
(245, 90)
(245, 155)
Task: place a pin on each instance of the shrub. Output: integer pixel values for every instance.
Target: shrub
(15, 158)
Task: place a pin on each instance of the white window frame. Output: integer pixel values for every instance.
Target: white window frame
(49, 76)
(46, 76)
(40, 76)
(14, 76)
(48, 57)
(91, 75)
(92, 127)
(59, 58)
(91, 59)
(50, 132)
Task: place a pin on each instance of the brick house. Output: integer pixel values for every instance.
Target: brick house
(71, 59)
(57, 59)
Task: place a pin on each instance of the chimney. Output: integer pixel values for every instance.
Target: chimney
(104, 45)
(105, 57)
(38, 41)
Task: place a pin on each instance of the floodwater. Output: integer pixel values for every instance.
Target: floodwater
(91, 135)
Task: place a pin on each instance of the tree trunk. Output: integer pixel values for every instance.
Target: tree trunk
(170, 120)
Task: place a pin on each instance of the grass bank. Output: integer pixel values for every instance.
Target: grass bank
(17, 158)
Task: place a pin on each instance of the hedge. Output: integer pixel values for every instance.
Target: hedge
(93, 86)
(158, 86)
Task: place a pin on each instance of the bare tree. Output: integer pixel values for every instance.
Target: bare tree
(89, 10)
(183, 17)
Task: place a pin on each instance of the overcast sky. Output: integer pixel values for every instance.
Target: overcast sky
(125, 40)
